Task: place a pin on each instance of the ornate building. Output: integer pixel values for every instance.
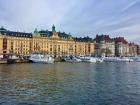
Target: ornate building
(138, 49)
(132, 49)
(121, 47)
(105, 46)
(51, 42)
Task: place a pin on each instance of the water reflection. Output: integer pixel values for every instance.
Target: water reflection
(70, 84)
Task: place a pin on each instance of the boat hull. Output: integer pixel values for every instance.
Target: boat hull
(117, 59)
(89, 59)
(39, 61)
(72, 59)
(11, 61)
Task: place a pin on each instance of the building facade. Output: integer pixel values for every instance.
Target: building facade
(104, 46)
(132, 49)
(121, 47)
(138, 49)
(50, 42)
(60, 44)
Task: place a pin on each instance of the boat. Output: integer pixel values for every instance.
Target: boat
(12, 58)
(110, 59)
(136, 59)
(72, 59)
(88, 59)
(125, 59)
(40, 58)
(118, 59)
(99, 60)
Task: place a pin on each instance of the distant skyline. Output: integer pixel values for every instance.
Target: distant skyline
(79, 17)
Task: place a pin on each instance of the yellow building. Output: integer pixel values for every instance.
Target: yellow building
(51, 42)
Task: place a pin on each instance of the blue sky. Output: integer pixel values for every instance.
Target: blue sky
(80, 17)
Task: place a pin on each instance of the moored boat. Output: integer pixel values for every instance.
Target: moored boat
(118, 59)
(125, 59)
(99, 60)
(40, 58)
(72, 59)
(88, 59)
(12, 58)
(110, 59)
(136, 59)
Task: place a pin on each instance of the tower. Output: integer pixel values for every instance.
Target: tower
(36, 33)
(53, 28)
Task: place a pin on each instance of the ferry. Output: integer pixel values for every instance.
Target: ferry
(41, 58)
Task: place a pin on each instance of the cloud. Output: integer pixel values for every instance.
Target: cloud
(81, 18)
(131, 4)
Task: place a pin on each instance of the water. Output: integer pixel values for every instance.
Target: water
(70, 84)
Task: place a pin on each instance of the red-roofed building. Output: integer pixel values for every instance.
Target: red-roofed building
(138, 49)
(104, 46)
(121, 47)
(132, 49)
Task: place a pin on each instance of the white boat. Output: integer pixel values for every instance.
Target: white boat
(110, 59)
(118, 59)
(40, 58)
(12, 58)
(125, 59)
(99, 60)
(136, 59)
(89, 59)
(72, 59)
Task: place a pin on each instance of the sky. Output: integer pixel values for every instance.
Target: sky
(78, 17)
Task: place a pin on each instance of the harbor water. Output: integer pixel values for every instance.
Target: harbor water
(108, 83)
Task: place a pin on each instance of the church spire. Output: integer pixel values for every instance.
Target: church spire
(53, 28)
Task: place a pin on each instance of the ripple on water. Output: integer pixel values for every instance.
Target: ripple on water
(70, 84)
